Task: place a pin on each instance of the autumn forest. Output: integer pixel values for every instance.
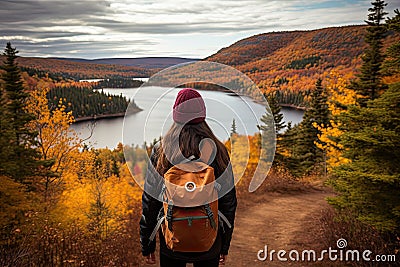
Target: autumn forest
(64, 203)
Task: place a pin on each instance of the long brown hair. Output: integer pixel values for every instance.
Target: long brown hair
(188, 137)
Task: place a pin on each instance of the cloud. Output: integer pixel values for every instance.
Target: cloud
(47, 10)
(149, 27)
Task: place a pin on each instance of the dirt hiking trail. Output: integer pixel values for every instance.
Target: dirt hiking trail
(281, 221)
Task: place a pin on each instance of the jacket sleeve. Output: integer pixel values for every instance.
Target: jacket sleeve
(150, 209)
(227, 205)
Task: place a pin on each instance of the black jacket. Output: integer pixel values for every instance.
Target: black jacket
(151, 207)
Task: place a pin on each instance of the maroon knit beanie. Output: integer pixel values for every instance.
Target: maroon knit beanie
(189, 107)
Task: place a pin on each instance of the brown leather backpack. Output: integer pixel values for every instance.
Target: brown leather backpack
(190, 208)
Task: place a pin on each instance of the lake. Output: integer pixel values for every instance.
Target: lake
(156, 117)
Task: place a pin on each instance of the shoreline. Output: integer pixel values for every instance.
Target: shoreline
(293, 107)
(106, 116)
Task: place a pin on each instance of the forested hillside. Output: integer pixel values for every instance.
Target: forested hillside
(84, 100)
(295, 60)
(86, 103)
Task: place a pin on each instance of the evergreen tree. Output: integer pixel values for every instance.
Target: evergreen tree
(319, 111)
(370, 184)
(5, 133)
(278, 124)
(392, 65)
(304, 148)
(305, 154)
(233, 127)
(319, 103)
(287, 145)
(266, 139)
(21, 160)
(369, 84)
(276, 113)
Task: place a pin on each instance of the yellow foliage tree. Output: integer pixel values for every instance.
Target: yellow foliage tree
(339, 97)
(56, 141)
(96, 197)
(245, 155)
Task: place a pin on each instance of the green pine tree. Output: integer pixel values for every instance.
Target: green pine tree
(278, 124)
(291, 152)
(319, 111)
(369, 84)
(267, 137)
(304, 149)
(302, 140)
(392, 65)
(6, 134)
(233, 127)
(21, 161)
(317, 114)
(277, 114)
(370, 184)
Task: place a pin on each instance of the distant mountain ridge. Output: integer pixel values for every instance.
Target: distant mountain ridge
(142, 62)
(79, 68)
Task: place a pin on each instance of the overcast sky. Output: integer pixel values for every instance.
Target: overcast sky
(138, 28)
